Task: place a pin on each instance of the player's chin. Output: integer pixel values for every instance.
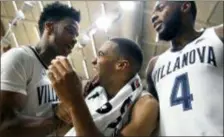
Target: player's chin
(163, 35)
(96, 70)
(65, 54)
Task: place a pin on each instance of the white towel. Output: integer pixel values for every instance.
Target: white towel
(110, 115)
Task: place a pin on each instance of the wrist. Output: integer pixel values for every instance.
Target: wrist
(75, 100)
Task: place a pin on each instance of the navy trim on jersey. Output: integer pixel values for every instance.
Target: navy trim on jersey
(38, 57)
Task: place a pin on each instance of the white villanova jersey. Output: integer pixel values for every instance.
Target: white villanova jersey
(28, 76)
(189, 84)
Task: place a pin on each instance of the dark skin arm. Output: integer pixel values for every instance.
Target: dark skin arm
(150, 83)
(12, 123)
(143, 117)
(219, 31)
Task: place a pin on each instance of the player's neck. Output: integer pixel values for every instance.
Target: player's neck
(45, 52)
(112, 86)
(186, 35)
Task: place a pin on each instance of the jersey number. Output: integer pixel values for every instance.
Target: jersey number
(181, 82)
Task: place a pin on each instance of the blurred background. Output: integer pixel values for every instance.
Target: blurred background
(100, 20)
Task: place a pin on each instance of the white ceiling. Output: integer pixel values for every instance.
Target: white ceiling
(135, 25)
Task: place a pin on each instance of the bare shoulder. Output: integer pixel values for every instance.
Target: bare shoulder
(147, 102)
(147, 107)
(219, 31)
(219, 27)
(144, 117)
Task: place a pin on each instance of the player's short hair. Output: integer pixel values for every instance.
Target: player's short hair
(56, 12)
(131, 51)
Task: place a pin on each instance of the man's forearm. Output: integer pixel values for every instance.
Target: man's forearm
(26, 126)
(82, 120)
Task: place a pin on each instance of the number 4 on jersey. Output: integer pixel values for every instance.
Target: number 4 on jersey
(181, 82)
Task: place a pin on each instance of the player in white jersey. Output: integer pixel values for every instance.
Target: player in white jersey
(188, 77)
(26, 94)
(118, 62)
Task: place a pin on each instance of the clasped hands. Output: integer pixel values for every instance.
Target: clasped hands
(64, 80)
(67, 86)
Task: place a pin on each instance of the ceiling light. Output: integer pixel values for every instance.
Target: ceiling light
(103, 22)
(84, 40)
(85, 37)
(69, 4)
(127, 5)
(92, 31)
(28, 5)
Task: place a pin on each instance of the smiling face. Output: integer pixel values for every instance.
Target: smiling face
(64, 36)
(104, 63)
(166, 19)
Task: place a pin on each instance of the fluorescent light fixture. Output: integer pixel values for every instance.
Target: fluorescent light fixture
(85, 37)
(93, 46)
(14, 39)
(92, 31)
(69, 4)
(85, 69)
(157, 38)
(103, 22)
(127, 5)
(28, 5)
(14, 6)
(37, 33)
(5, 41)
(103, 9)
(20, 15)
(40, 5)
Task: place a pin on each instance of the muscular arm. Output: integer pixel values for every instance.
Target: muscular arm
(219, 31)
(12, 123)
(143, 119)
(150, 83)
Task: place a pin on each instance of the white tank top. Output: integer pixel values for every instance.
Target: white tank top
(189, 84)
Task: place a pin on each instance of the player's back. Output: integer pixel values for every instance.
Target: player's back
(190, 88)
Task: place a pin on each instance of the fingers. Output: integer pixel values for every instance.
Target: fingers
(64, 61)
(58, 65)
(56, 74)
(59, 68)
(51, 75)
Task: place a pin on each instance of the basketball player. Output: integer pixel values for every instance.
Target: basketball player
(118, 62)
(188, 77)
(26, 94)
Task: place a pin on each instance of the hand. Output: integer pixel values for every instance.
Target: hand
(64, 80)
(63, 113)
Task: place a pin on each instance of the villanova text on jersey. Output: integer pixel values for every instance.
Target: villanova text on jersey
(204, 54)
(46, 94)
